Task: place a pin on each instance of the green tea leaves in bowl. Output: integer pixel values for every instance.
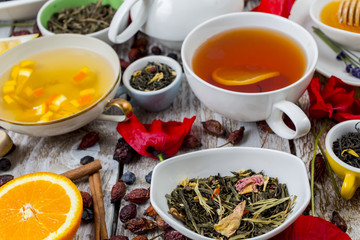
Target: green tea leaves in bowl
(153, 76)
(85, 19)
(244, 205)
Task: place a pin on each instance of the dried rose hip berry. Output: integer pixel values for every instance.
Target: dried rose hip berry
(214, 127)
(119, 237)
(127, 212)
(190, 141)
(87, 199)
(140, 225)
(338, 221)
(5, 178)
(124, 64)
(162, 225)
(118, 191)
(236, 136)
(138, 195)
(319, 167)
(89, 140)
(87, 159)
(134, 54)
(140, 237)
(174, 235)
(173, 56)
(87, 215)
(124, 153)
(156, 50)
(140, 42)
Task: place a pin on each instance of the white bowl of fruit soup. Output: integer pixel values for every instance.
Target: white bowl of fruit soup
(252, 66)
(288, 169)
(56, 84)
(325, 15)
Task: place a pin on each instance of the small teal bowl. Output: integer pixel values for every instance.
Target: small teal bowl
(54, 6)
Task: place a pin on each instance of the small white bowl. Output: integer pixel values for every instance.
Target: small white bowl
(288, 168)
(53, 6)
(348, 39)
(158, 100)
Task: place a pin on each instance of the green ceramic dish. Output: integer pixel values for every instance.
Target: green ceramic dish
(54, 6)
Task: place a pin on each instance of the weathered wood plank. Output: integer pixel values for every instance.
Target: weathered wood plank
(326, 200)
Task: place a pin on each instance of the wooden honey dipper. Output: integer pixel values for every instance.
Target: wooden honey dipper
(349, 12)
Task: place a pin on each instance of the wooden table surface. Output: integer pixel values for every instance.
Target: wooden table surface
(59, 154)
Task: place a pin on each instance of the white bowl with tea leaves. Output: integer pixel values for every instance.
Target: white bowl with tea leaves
(86, 17)
(151, 96)
(252, 66)
(174, 173)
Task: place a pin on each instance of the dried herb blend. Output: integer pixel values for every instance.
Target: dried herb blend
(347, 148)
(244, 205)
(82, 20)
(153, 76)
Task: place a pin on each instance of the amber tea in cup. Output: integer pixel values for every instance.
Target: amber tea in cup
(250, 60)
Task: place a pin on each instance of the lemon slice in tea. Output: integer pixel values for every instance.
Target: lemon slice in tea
(238, 76)
(10, 42)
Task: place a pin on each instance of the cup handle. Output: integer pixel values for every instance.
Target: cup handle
(119, 32)
(121, 90)
(124, 106)
(297, 116)
(349, 186)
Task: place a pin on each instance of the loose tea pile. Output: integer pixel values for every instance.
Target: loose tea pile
(82, 20)
(153, 77)
(347, 148)
(244, 205)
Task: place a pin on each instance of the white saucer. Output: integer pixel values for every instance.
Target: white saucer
(19, 9)
(327, 63)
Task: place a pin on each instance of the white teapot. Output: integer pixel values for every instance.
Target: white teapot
(168, 21)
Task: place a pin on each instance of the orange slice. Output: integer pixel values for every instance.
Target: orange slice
(39, 206)
(237, 76)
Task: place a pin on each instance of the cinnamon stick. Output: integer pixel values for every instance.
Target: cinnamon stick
(100, 203)
(95, 207)
(83, 171)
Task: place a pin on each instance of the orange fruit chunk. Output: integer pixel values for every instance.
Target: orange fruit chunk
(39, 206)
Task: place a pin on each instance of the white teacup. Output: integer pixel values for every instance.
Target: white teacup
(169, 21)
(81, 118)
(250, 107)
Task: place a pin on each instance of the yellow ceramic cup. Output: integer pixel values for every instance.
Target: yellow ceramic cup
(350, 174)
